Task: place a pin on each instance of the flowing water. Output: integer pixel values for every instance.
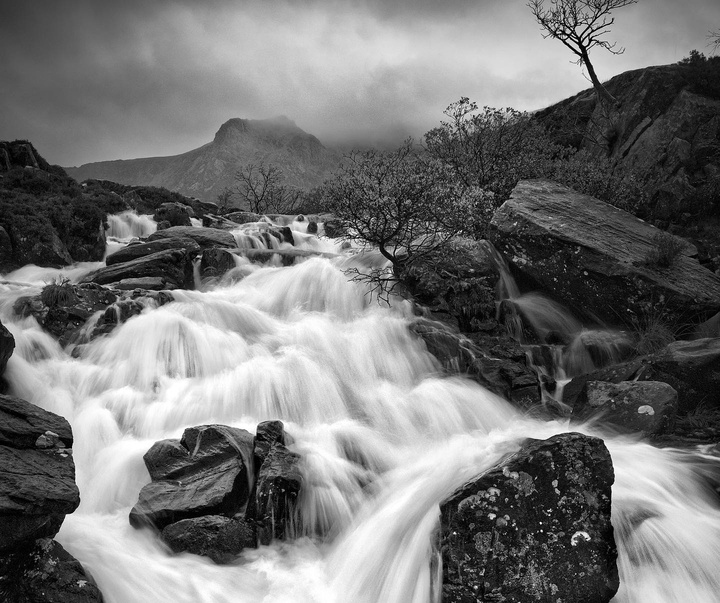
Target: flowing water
(384, 437)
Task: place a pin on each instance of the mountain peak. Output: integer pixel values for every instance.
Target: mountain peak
(280, 124)
(208, 170)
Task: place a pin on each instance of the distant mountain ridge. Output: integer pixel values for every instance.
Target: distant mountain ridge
(206, 171)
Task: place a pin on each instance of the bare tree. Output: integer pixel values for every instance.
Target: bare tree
(714, 40)
(262, 189)
(224, 198)
(405, 203)
(581, 25)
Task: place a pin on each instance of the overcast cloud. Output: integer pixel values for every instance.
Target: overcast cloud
(88, 80)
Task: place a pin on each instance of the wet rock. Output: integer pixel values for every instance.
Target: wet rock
(692, 368)
(647, 407)
(48, 250)
(207, 472)
(286, 235)
(534, 529)
(498, 364)
(22, 423)
(177, 214)
(63, 309)
(172, 265)
(215, 536)
(44, 572)
(6, 249)
(37, 473)
(267, 434)
(7, 345)
(595, 257)
(243, 217)
(215, 262)
(459, 281)
(149, 283)
(204, 237)
(334, 228)
(137, 250)
(90, 247)
(277, 490)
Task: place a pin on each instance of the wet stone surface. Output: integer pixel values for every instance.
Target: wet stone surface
(535, 528)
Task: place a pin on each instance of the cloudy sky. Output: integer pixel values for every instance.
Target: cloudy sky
(88, 80)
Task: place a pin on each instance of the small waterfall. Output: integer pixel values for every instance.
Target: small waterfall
(559, 347)
(129, 224)
(383, 435)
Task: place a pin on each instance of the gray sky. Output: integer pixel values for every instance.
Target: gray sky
(89, 80)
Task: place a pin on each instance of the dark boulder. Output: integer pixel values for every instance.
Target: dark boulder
(88, 247)
(497, 363)
(459, 280)
(536, 528)
(596, 258)
(177, 214)
(243, 217)
(62, 309)
(138, 250)
(37, 473)
(207, 472)
(215, 262)
(692, 368)
(647, 407)
(204, 237)
(215, 536)
(267, 434)
(22, 423)
(44, 572)
(7, 345)
(44, 250)
(277, 490)
(172, 265)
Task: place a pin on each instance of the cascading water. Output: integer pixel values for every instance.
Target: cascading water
(383, 435)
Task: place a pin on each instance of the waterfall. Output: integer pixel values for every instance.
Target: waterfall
(129, 224)
(384, 436)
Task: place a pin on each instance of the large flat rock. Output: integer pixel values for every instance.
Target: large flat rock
(203, 236)
(594, 256)
(172, 265)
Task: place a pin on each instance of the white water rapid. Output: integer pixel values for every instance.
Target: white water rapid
(383, 435)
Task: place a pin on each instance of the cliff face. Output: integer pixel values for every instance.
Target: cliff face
(666, 128)
(206, 171)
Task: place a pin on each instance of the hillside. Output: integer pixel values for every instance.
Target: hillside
(665, 129)
(204, 172)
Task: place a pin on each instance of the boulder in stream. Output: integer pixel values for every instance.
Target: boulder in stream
(596, 257)
(215, 536)
(536, 528)
(207, 472)
(134, 251)
(37, 473)
(277, 490)
(692, 368)
(204, 237)
(44, 572)
(177, 214)
(7, 345)
(173, 266)
(647, 407)
(215, 262)
(497, 363)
